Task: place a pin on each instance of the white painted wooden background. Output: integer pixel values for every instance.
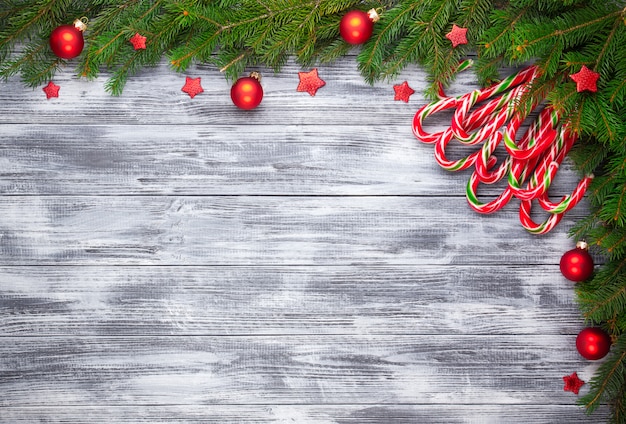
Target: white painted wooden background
(167, 259)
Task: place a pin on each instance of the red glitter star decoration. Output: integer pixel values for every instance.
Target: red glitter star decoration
(192, 87)
(138, 41)
(572, 383)
(458, 35)
(585, 79)
(51, 90)
(403, 92)
(310, 82)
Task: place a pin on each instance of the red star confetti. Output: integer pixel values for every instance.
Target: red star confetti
(403, 92)
(458, 35)
(138, 41)
(192, 87)
(310, 82)
(572, 383)
(585, 79)
(51, 90)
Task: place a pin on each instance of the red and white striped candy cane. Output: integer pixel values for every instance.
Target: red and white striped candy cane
(531, 164)
(541, 134)
(531, 225)
(538, 184)
(517, 170)
(501, 110)
(546, 168)
(489, 207)
(567, 202)
(489, 118)
(424, 112)
(485, 161)
(557, 210)
(463, 65)
(543, 166)
(474, 121)
(452, 165)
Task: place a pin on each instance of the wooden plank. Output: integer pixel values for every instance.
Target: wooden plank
(154, 96)
(302, 370)
(305, 414)
(218, 159)
(244, 230)
(139, 301)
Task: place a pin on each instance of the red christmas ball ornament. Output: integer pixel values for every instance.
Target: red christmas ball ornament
(356, 26)
(577, 264)
(593, 343)
(247, 92)
(66, 41)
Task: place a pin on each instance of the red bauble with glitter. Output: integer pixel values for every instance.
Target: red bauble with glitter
(356, 26)
(247, 92)
(66, 41)
(577, 264)
(593, 343)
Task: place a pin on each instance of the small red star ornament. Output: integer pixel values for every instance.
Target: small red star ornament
(572, 383)
(403, 92)
(310, 82)
(585, 79)
(458, 35)
(192, 87)
(138, 41)
(51, 90)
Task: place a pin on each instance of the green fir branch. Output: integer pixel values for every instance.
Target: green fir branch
(604, 297)
(380, 56)
(608, 386)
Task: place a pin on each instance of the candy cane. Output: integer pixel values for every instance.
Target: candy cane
(567, 202)
(531, 225)
(541, 134)
(486, 160)
(530, 155)
(488, 118)
(432, 108)
(501, 109)
(526, 206)
(517, 172)
(489, 207)
(427, 110)
(539, 183)
(531, 164)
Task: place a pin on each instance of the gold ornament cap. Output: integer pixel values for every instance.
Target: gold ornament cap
(582, 244)
(81, 24)
(256, 75)
(373, 15)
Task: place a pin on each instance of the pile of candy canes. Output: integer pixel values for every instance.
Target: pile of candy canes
(531, 164)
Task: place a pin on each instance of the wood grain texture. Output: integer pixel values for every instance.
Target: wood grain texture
(327, 414)
(292, 369)
(279, 300)
(167, 260)
(229, 159)
(240, 230)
